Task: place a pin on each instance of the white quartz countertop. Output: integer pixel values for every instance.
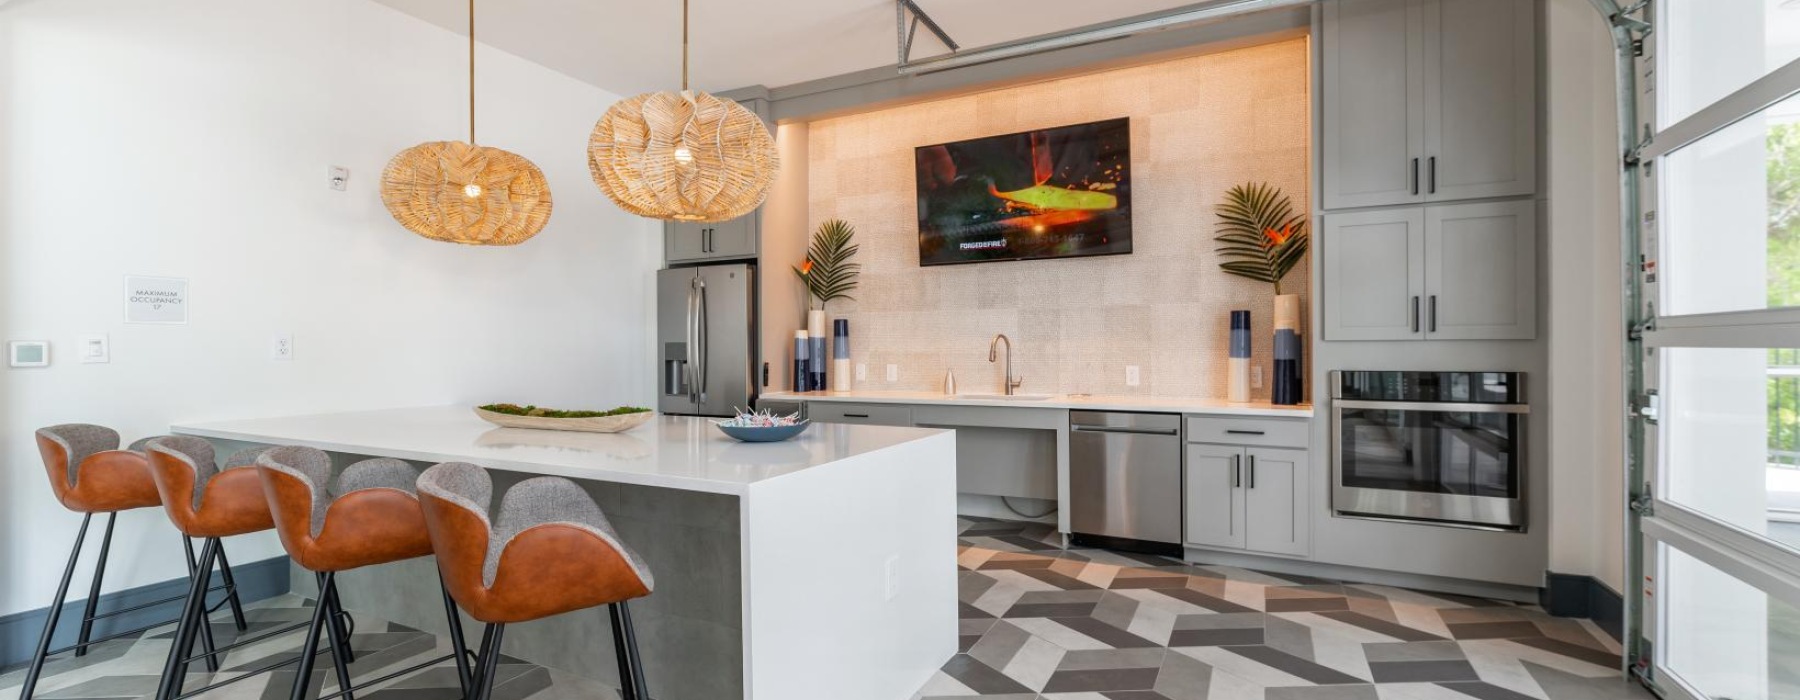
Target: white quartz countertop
(670, 451)
(1085, 402)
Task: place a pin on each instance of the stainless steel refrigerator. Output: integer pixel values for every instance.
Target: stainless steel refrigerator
(706, 326)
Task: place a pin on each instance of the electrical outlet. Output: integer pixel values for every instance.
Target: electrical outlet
(891, 585)
(862, 372)
(94, 349)
(1132, 378)
(1256, 377)
(893, 373)
(281, 347)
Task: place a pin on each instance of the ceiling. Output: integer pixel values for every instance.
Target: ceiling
(633, 46)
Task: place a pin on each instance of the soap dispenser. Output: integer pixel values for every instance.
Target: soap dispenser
(950, 382)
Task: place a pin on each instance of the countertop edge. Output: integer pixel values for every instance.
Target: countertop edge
(1059, 403)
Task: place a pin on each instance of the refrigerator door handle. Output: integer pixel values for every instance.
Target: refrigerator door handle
(693, 343)
(700, 322)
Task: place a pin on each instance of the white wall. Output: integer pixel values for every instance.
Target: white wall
(1585, 331)
(191, 138)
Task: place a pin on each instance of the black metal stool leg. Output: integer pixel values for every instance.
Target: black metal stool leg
(231, 594)
(631, 666)
(62, 591)
(490, 661)
(93, 599)
(340, 632)
(309, 652)
(457, 645)
(340, 650)
(206, 635)
(193, 613)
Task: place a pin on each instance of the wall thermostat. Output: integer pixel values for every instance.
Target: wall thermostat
(28, 353)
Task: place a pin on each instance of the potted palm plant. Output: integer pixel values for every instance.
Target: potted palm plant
(1261, 237)
(828, 273)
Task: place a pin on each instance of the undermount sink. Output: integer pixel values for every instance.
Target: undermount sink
(1004, 397)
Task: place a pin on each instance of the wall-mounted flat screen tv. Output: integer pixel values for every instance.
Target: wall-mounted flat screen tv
(1050, 193)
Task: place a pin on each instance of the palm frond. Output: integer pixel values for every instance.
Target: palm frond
(1252, 222)
(831, 275)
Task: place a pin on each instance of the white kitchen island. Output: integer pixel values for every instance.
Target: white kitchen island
(822, 567)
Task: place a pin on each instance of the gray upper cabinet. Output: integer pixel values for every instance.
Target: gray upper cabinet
(1438, 272)
(1480, 99)
(726, 240)
(1374, 274)
(1481, 271)
(1428, 101)
(1374, 125)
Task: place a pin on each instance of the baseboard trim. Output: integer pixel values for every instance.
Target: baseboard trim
(1580, 595)
(19, 631)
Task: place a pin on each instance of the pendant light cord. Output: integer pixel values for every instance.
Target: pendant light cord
(684, 45)
(471, 72)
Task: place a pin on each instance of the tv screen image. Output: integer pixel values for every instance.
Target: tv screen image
(1049, 193)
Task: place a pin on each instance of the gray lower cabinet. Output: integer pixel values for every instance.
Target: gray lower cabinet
(862, 413)
(726, 240)
(1427, 101)
(1276, 500)
(1214, 501)
(1438, 272)
(1249, 498)
(1245, 484)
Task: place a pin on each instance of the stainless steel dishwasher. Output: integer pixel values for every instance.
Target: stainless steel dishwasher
(1125, 480)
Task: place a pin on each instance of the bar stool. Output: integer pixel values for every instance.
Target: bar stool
(369, 516)
(212, 502)
(552, 552)
(90, 474)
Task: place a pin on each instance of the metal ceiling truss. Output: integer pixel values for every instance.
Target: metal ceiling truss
(908, 17)
(905, 9)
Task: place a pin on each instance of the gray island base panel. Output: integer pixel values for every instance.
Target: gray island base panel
(767, 557)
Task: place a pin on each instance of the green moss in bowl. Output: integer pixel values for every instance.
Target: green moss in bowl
(534, 411)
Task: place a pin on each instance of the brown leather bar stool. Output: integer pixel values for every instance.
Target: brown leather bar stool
(212, 502)
(369, 516)
(552, 551)
(90, 474)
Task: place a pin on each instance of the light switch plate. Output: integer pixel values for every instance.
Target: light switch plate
(28, 353)
(340, 177)
(862, 372)
(1256, 377)
(893, 373)
(94, 349)
(1132, 377)
(281, 347)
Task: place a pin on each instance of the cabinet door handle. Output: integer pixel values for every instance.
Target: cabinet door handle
(1433, 170)
(1415, 314)
(856, 415)
(1434, 313)
(1415, 176)
(1244, 432)
(706, 239)
(1252, 480)
(1237, 471)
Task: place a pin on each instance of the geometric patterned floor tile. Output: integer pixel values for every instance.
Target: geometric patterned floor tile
(1046, 623)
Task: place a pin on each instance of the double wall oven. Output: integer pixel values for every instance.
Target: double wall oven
(1438, 447)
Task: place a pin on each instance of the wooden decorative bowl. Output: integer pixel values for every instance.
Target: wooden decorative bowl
(600, 424)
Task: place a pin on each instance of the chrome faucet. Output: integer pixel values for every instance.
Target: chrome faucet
(1012, 383)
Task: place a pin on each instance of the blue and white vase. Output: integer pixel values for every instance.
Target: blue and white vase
(1238, 386)
(1289, 388)
(815, 351)
(840, 355)
(802, 366)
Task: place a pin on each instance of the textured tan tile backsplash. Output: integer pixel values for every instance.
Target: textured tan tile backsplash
(1198, 126)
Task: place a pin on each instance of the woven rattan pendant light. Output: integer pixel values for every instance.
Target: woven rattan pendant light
(463, 193)
(683, 156)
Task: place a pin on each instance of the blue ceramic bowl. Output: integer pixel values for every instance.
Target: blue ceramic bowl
(769, 434)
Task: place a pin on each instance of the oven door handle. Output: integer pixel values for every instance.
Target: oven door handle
(1443, 407)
